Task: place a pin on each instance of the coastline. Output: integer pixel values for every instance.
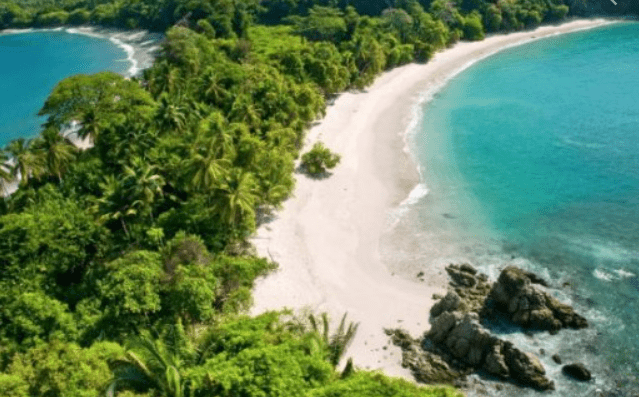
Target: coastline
(326, 238)
(140, 46)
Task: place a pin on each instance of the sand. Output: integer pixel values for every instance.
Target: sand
(326, 238)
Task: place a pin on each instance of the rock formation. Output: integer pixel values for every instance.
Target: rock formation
(425, 366)
(516, 295)
(471, 287)
(464, 338)
(458, 343)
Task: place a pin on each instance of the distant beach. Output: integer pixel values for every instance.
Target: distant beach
(326, 238)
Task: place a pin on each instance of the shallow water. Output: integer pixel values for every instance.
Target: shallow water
(32, 63)
(532, 156)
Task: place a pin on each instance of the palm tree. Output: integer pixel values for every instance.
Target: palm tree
(142, 184)
(238, 198)
(217, 136)
(5, 173)
(27, 162)
(111, 206)
(172, 114)
(204, 169)
(339, 341)
(56, 151)
(156, 364)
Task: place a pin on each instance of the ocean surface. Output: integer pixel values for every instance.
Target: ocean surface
(531, 157)
(32, 63)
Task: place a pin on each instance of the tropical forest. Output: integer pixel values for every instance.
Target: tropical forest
(126, 268)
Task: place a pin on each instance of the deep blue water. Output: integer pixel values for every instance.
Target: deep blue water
(31, 64)
(532, 156)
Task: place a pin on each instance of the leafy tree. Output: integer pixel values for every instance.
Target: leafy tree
(30, 318)
(319, 159)
(473, 27)
(130, 288)
(61, 369)
(100, 101)
(51, 242)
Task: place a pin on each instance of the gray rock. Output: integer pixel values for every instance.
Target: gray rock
(556, 358)
(515, 294)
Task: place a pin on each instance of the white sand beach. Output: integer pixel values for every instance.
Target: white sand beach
(326, 238)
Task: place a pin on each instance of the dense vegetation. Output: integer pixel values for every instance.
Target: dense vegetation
(124, 268)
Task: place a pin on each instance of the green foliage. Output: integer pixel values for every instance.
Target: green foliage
(29, 318)
(367, 384)
(319, 159)
(473, 27)
(13, 386)
(51, 243)
(131, 286)
(55, 18)
(99, 102)
(61, 369)
(321, 24)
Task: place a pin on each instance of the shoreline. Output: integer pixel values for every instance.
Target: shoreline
(139, 45)
(326, 237)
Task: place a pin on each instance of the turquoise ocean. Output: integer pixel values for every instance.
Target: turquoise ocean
(531, 157)
(32, 63)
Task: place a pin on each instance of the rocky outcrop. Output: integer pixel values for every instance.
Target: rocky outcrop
(458, 343)
(516, 295)
(471, 287)
(425, 366)
(461, 336)
(577, 371)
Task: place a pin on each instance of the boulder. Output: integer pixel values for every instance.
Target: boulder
(556, 358)
(461, 336)
(577, 371)
(516, 295)
(526, 368)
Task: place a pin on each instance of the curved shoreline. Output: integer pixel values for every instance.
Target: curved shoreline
(140, 46)
(326, 238)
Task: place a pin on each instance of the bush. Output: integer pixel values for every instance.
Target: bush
(473, 27)
(319, 159)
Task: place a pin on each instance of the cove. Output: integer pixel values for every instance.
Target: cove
(33, 62)
(531, 157)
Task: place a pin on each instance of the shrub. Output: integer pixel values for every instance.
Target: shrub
(319, 159)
